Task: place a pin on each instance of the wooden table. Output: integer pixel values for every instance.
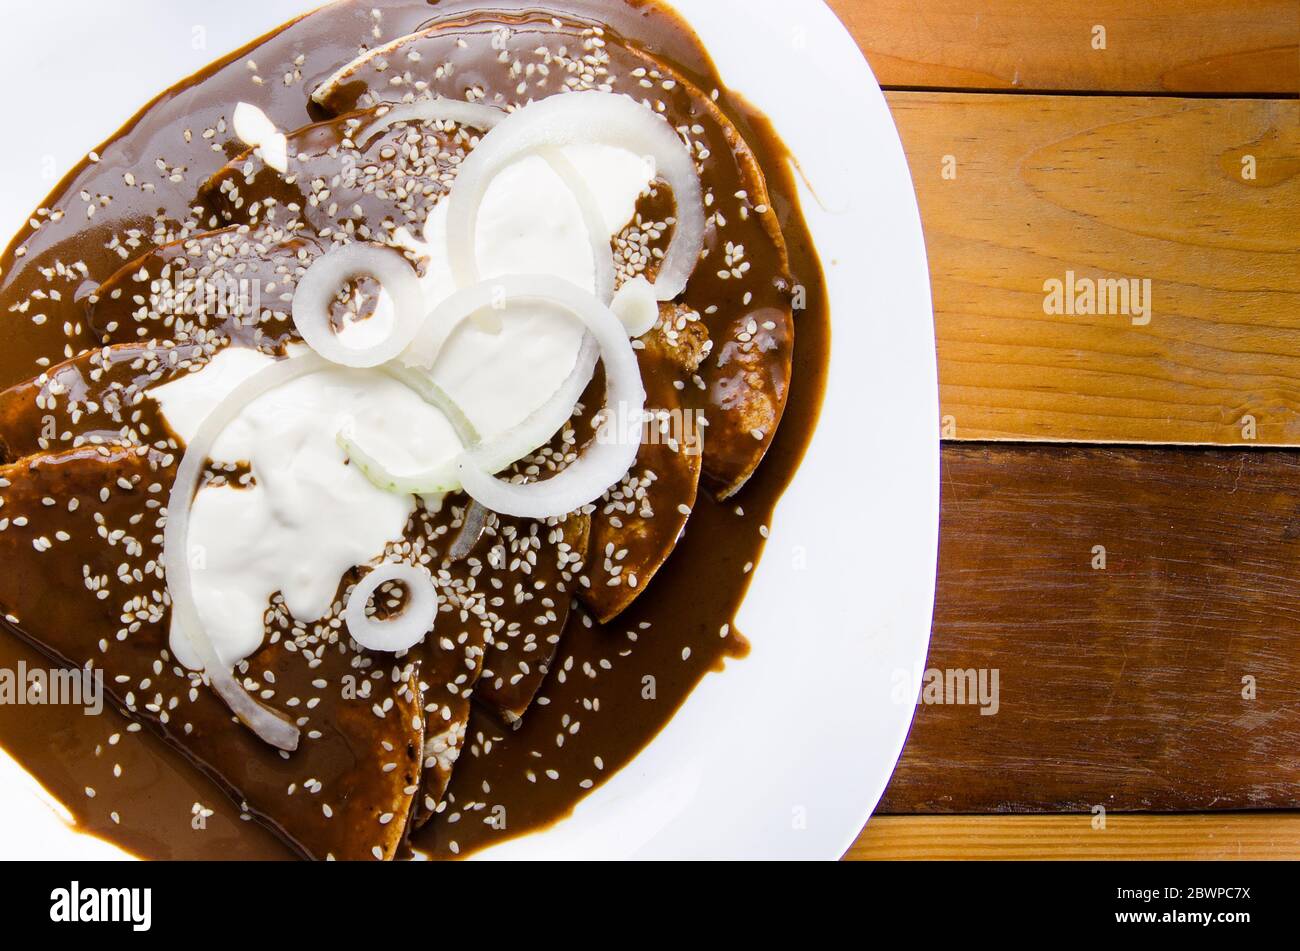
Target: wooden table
(1121, 488)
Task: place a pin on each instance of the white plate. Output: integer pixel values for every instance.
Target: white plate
(786, 753)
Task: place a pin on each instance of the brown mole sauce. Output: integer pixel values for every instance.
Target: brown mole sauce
(153, 796)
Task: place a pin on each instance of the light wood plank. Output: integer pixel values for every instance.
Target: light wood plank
(1192, 46)
(1121, 683)
(1171, 838)
(1131, 188)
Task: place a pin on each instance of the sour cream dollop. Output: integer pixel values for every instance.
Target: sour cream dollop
(309, 516)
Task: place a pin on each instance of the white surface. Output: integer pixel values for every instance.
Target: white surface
(787, 752)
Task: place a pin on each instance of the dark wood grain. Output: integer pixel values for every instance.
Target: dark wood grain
(1120, 687)
(1190, 46)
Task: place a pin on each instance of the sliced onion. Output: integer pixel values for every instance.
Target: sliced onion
(475, 115)
(535, 431)
(253, 128)
(329, 274)
(436, 396)
(501, 451)
(275, 152)
(609, 456)
(440, 479)
(471, 530)
(266, 723)
(251, 125)
(349, 70)
(408, 628)
(602, 248)
(636, 306)
(571, 119)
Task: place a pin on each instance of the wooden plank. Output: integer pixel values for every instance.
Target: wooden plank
(1169, 838)
(1193, 46)
(1122, 685)
(1117, 188)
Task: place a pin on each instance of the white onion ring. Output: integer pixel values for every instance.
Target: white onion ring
(263, 721)
(436, 481)
(329, 273)
(602, 247)
(607, 459)
(502, 451)
(636, 306)
(473, 523)
(407, 629)
(437, 397)
(536, 429)
(475, 115)
(254, 129)
(572, 119)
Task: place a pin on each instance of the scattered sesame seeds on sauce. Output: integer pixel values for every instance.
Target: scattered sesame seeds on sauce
(561, 646)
